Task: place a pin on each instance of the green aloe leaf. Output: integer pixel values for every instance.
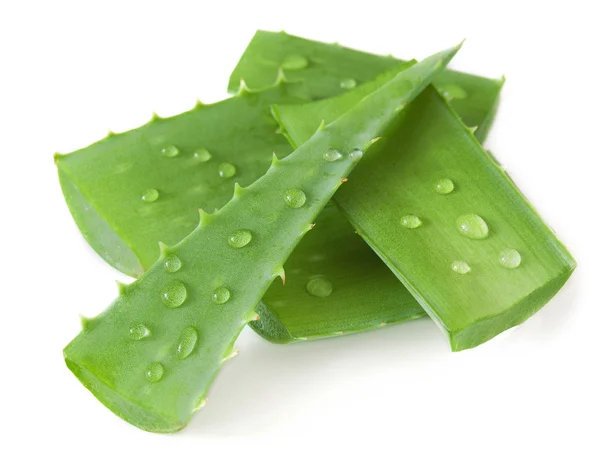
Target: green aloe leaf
(152, 355)
(447, 220)
(326, 70)
(133, 189)
(335, 285)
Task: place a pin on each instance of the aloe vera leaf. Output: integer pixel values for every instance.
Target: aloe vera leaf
(496, 289)
(364, 294)
(326, 70)
(152, 355)
(104, 183)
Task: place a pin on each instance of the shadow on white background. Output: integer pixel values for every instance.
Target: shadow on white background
(269, 386)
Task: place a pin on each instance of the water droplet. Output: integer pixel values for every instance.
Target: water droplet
(461, 267)
(240, 238)
(174, 294)
(472, 226)
(294, 198)
(348, 83)
(155, 372)
(294, 62)
(510, 258)
(452, 91)
(410, 221)
(332, 155)
(172, 263)
(202, 155)
(170, 151)
(221, 295)
(319, 287)
(226, 170)
(138, 331)
(187, 342)
(150, 195)
(444, 186)
(356, 154)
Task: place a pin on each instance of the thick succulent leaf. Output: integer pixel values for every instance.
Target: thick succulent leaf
(151, 356)
(474, 300)
(354, 291)
(326, 70)
(105, 184)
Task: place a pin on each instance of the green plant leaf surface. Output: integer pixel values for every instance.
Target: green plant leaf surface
(364, 295)
(152, 355)
(104, 184)
(326, 70)
(399, 179)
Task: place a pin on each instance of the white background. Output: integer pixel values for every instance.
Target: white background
(68, 72)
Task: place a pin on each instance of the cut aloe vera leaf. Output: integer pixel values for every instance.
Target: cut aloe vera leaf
(335, 284)
(449, 222)
(326, 70)
(131, 190)
(152, 355)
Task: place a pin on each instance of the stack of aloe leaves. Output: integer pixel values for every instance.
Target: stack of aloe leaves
(207, 208)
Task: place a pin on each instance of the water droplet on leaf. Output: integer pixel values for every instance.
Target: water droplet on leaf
(226, 170)
(240, 238)
(202, 155)
(348, 83)
(460, 267)
(319, 287)
(510, 258)
(155, 372)
(294, 62)
(356, 154)
(174, 294)
(294, 198)
(472, 226)
(150, 195)
(187, 342)
(332, 155)
(410, 221)
(138, 331)
(452, 91)
(170, 151)
(172, 263)
(444, 186)
(221, 295)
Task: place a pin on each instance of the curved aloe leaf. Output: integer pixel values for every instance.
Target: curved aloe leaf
(326, 70)
(188, 159)
(152, 355)
(472, 250)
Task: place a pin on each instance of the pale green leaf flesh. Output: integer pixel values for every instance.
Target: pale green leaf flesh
(104, 183)
(398, 178)
(156, 378)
